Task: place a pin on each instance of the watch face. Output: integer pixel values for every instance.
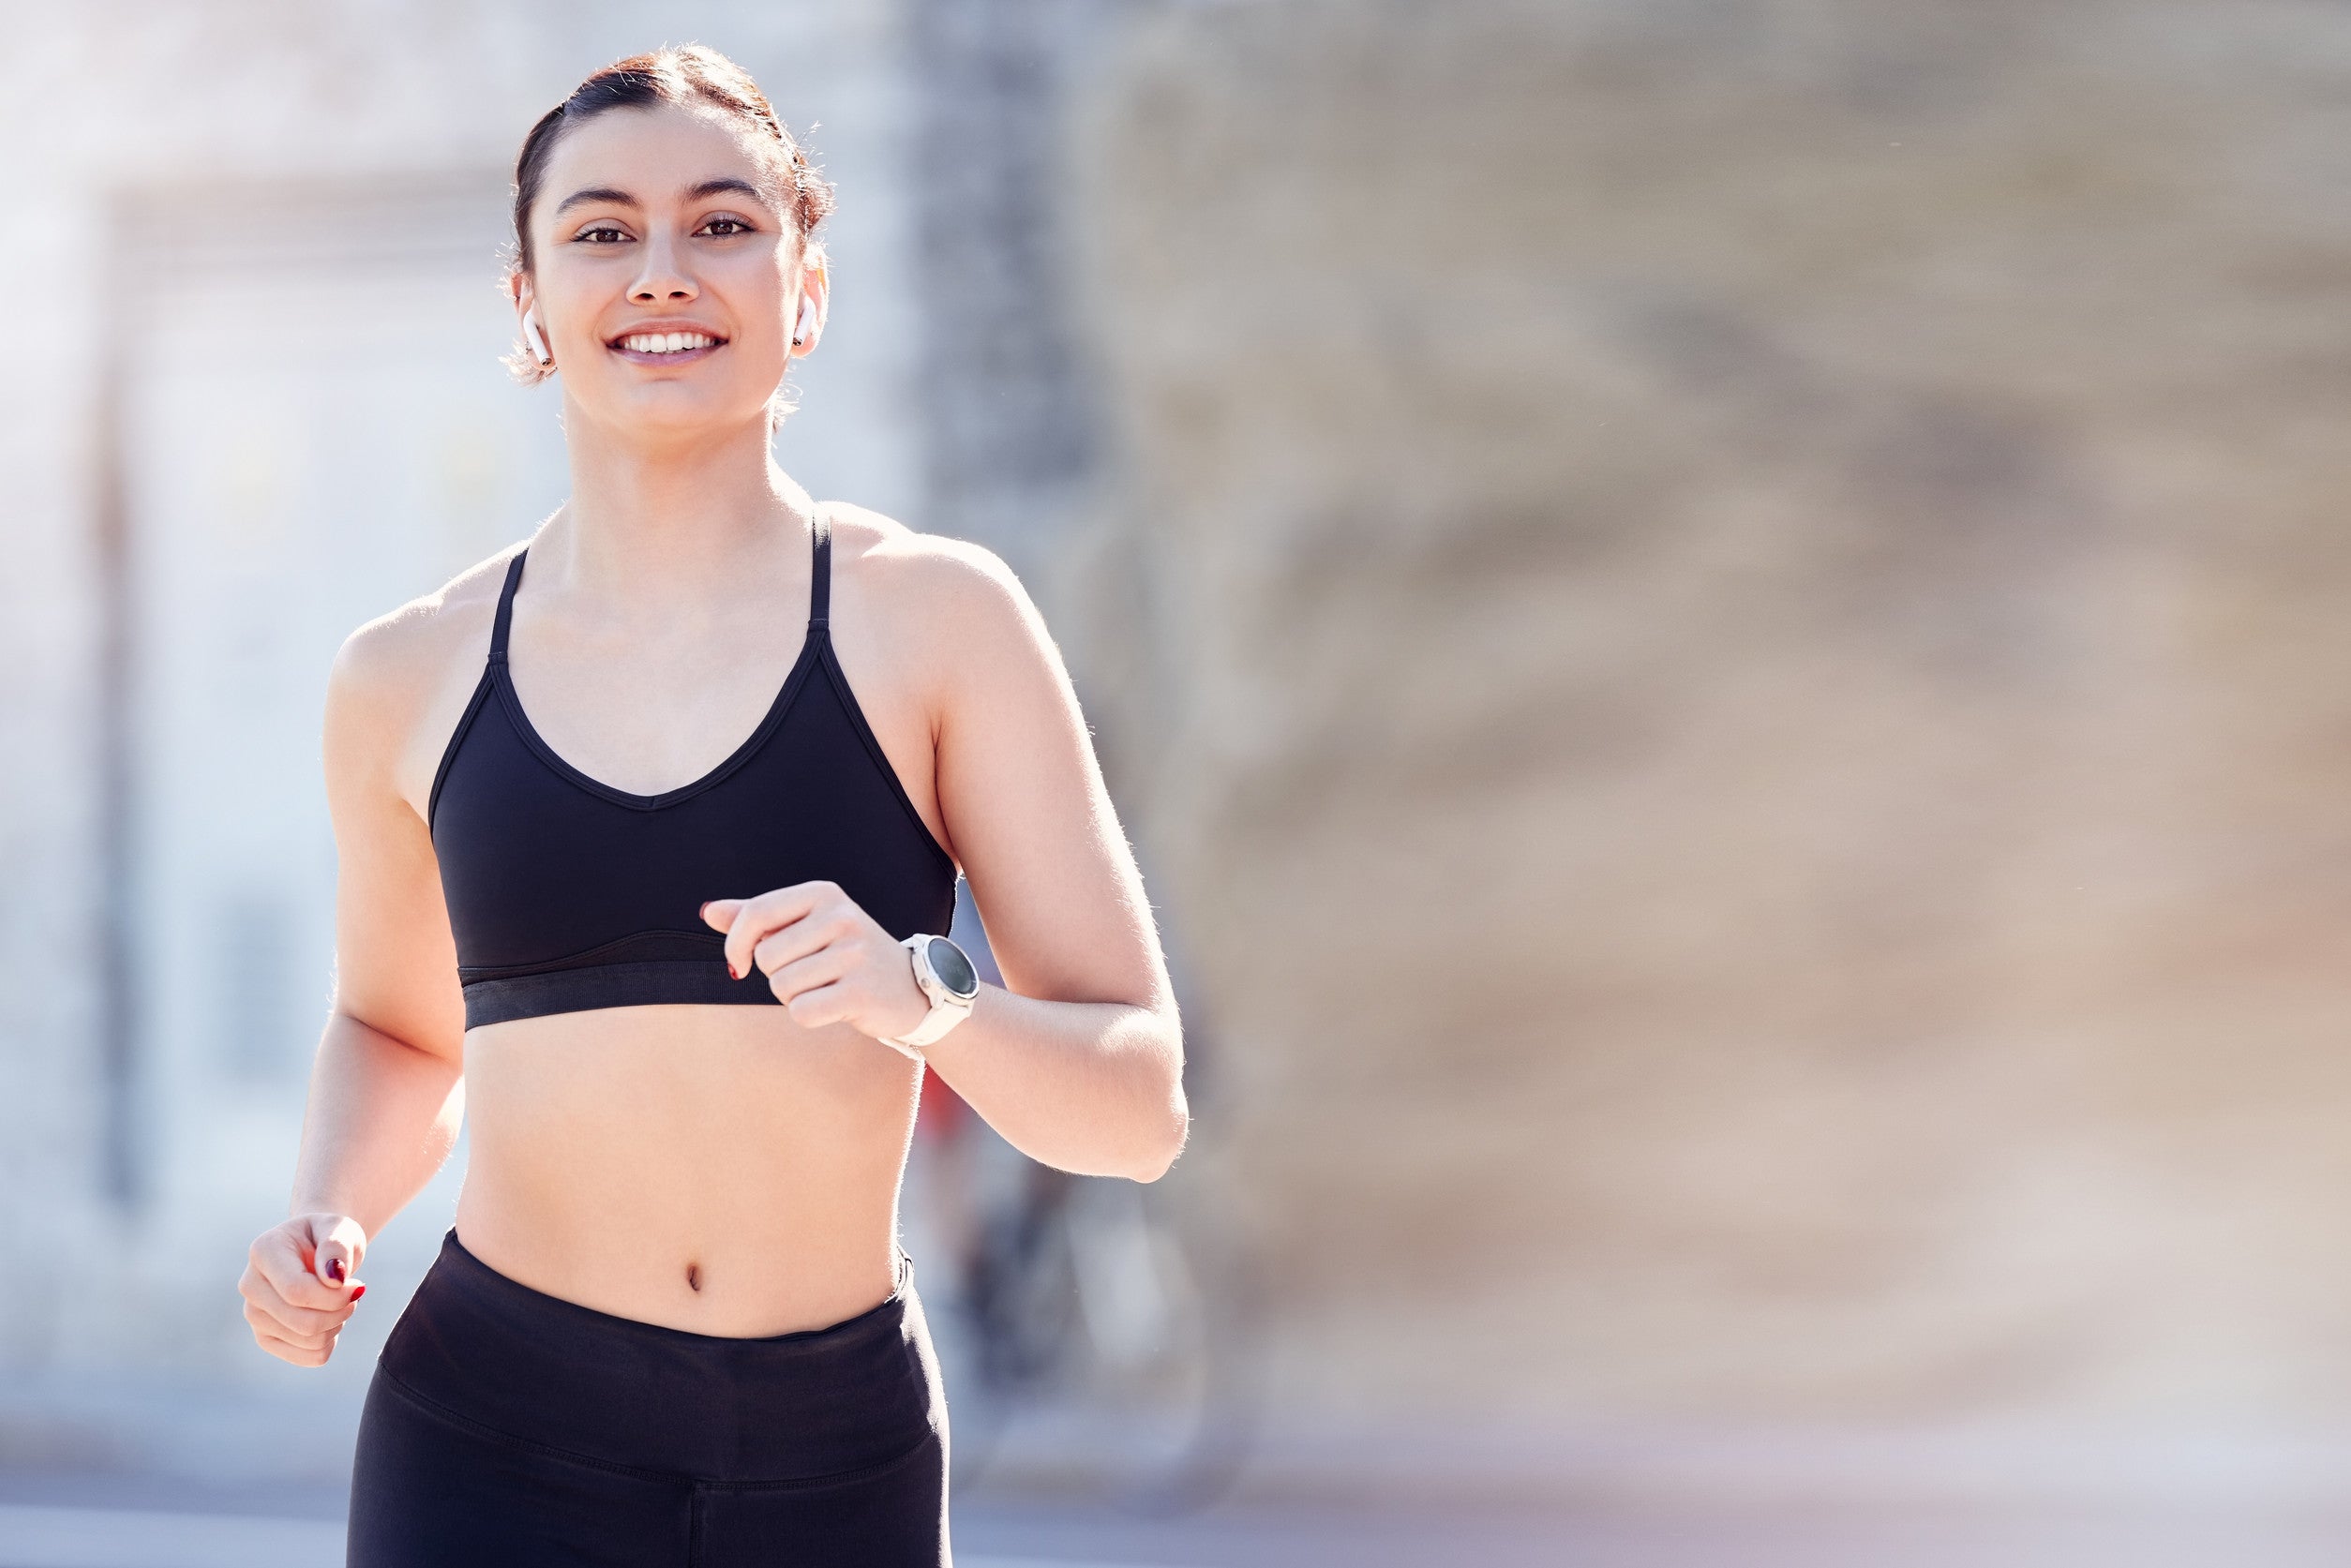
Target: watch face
(955, 971)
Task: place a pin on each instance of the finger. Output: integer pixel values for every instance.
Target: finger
(763, 916)
(267, 1327)
(338, 1249)
(298, 1321)
(819, 1006)
(804, 939)
(283, 1316)
(719, 913)
(820, 968)
(300, 1355)
(309, 1335)
(278, 1258)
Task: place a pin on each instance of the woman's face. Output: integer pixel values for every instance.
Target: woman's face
(658, 220)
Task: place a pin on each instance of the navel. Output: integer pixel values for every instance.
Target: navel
(693, 1277)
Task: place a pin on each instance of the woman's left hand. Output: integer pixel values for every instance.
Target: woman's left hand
(827, 960)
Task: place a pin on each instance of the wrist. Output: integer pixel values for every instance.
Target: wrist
(944, 975)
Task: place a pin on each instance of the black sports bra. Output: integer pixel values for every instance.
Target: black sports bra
(565, 894)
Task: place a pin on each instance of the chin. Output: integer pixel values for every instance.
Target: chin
(672, 415)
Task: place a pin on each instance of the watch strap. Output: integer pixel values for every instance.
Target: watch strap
(944, 1014)
(942, 1017)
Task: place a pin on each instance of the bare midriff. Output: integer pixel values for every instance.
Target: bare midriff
(720, 1170)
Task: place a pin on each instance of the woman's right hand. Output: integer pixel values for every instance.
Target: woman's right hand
(300, 1285)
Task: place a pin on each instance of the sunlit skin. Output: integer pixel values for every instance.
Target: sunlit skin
(724, 1169)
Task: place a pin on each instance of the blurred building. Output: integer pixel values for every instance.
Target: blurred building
(1725, 619)
(1714, 622)
(257, 402)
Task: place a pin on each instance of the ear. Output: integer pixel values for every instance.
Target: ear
(535, 361)
(523, 296)
(816, 296)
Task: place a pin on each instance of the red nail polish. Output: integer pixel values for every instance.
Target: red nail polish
(356, 1293)
(334, 1268)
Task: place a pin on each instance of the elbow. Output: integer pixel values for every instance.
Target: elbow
(1158, 1164)
(1159, 1156)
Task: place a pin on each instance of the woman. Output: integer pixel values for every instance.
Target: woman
(650, 874)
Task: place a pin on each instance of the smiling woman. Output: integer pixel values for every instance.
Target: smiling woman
(648, 877)
(756, 227)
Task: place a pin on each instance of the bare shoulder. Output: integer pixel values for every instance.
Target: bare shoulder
(394, 675)
(947, 587)
(397, 658)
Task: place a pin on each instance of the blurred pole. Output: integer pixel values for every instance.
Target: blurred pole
(122, 1174)
(1009, 429)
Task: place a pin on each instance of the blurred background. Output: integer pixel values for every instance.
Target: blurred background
(1721, 628)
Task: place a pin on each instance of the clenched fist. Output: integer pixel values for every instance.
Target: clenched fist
(300, 1285)
(826, 959)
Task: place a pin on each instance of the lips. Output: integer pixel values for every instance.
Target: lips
(679, 356)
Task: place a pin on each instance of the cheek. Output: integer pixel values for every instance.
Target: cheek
(765, 326)
(761, 346)
(566, 271)
(570, 301)
(757, 293)
(759, 357)
(758, 337)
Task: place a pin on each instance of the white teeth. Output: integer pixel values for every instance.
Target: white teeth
(666, 343)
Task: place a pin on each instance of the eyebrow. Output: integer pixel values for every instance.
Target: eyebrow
(623, 198)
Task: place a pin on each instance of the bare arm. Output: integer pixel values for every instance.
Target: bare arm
(386, 1088)
(386, 1093)
(1078, 1061)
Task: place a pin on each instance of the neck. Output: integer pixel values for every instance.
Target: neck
(649, 520)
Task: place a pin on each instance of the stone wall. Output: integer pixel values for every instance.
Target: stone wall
(1726, 624)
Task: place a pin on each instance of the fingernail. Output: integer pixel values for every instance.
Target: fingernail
(334, 1268)
(705, 910)
(731, 971)
(358, 1291)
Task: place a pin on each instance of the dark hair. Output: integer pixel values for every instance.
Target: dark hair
(683, 75)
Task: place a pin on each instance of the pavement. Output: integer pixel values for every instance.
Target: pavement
(65, 1519)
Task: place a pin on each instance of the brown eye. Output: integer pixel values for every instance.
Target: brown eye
(740, 226)
(587, 234)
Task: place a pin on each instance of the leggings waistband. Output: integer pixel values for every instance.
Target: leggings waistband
(487, 1348)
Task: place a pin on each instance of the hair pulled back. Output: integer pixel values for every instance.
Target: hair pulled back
(685, 75)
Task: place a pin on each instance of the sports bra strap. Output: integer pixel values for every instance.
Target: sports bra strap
(507, 606)
(820, 573)
(819, 588)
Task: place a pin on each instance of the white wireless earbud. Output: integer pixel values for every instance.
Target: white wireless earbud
(530, 330)
(807, 319)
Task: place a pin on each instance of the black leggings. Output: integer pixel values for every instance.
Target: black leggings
(506, 1426)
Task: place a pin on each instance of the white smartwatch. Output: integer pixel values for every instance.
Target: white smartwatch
(944, 972)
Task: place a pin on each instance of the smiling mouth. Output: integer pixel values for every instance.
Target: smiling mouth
(665, 348)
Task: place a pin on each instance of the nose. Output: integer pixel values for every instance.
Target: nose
(661, 276)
